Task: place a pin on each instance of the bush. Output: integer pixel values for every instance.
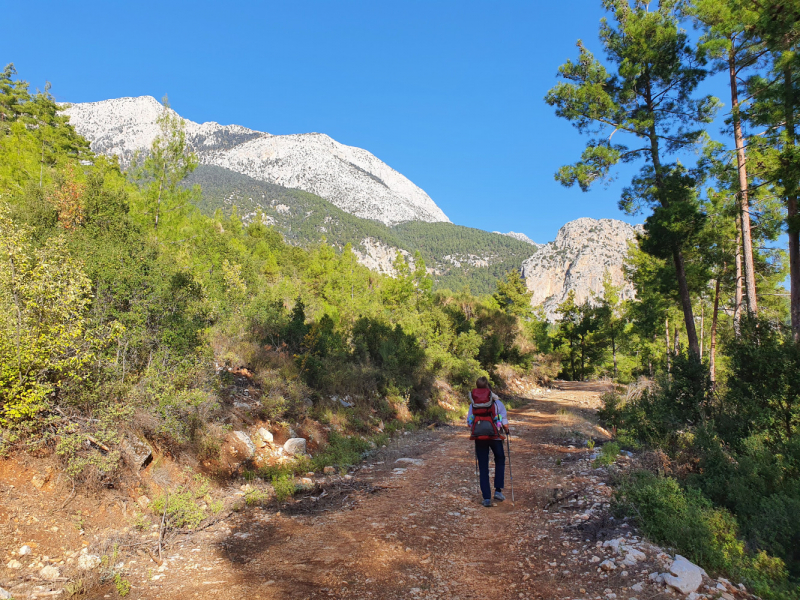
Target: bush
(341, 451)
(608, 454)
(182, 506)
(284, 487)
(684, 519)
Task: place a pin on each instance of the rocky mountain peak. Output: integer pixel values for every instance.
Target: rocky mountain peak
(351, 178)
(577, 260)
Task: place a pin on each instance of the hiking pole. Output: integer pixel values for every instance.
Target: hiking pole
(477, 477)
(510, 472)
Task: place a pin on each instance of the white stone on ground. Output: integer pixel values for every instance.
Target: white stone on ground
(295, 445)
(248, 443)
(608, 565)
(684, 575)
(87, 562)
(49, 573)
(265, 435)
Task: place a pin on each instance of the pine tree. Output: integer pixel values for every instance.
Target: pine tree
(777, 108)
(163, 169)
(650, 97)
(513, 296)
(730, 38)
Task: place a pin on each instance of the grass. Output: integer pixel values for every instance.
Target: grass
(608, 454)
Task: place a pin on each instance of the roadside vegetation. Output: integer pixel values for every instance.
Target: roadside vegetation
(710, 347)
(125, 312)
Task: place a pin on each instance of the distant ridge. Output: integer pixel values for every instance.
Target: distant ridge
(519, 236)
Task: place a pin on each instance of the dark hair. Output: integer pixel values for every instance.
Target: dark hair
(482, 382)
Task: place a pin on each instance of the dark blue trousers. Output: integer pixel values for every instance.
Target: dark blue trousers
(482, 448)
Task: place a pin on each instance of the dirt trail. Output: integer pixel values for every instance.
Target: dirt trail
(420, 534)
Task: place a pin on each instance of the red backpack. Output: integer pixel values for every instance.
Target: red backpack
(484, 412)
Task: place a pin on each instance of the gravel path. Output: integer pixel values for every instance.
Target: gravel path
(406, 530)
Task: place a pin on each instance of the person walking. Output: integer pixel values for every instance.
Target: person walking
(488, 420)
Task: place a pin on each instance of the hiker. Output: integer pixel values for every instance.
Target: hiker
(487, 419)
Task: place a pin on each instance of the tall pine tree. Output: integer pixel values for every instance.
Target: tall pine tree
(650, 96)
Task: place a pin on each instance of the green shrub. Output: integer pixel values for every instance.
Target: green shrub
(182, 507)
(684, 519)
(608, 454)
(257, 497)
(284, 487)
(341, 451)
(123, 585)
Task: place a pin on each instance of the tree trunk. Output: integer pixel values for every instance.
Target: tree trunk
(737, 301)
(686, 302)
(666, 340)
(702, 327)
(676, 345)
(744, 200)
(712, 358)
(790, 185)
(583, 359)
(614, 351)
(677, 255)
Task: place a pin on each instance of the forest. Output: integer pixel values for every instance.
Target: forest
(124, 305)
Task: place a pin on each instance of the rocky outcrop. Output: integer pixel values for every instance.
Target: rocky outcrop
(351, 178)
(583, 251)
(380, 257)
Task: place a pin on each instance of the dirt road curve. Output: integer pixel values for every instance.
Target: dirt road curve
(420, 533)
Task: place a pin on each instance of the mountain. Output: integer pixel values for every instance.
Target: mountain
(455, 255)
(312, 188)
(350, 178)
(576, 260)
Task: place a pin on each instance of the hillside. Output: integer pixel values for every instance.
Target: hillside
(457, 256)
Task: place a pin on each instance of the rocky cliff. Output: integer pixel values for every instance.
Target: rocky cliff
(350, 178)
(577, 259)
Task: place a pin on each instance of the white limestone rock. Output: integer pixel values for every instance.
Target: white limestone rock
(87, 562)
(50, 573)
(684, 575)
(295, 446)
(264, 436)
(633, 556)
(249, 446)
(577, 260)
(380, 257)
(608, 565)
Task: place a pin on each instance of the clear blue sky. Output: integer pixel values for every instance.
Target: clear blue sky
(448, 93)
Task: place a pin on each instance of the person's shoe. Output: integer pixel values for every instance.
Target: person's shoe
(499, 496)
(487, 503)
